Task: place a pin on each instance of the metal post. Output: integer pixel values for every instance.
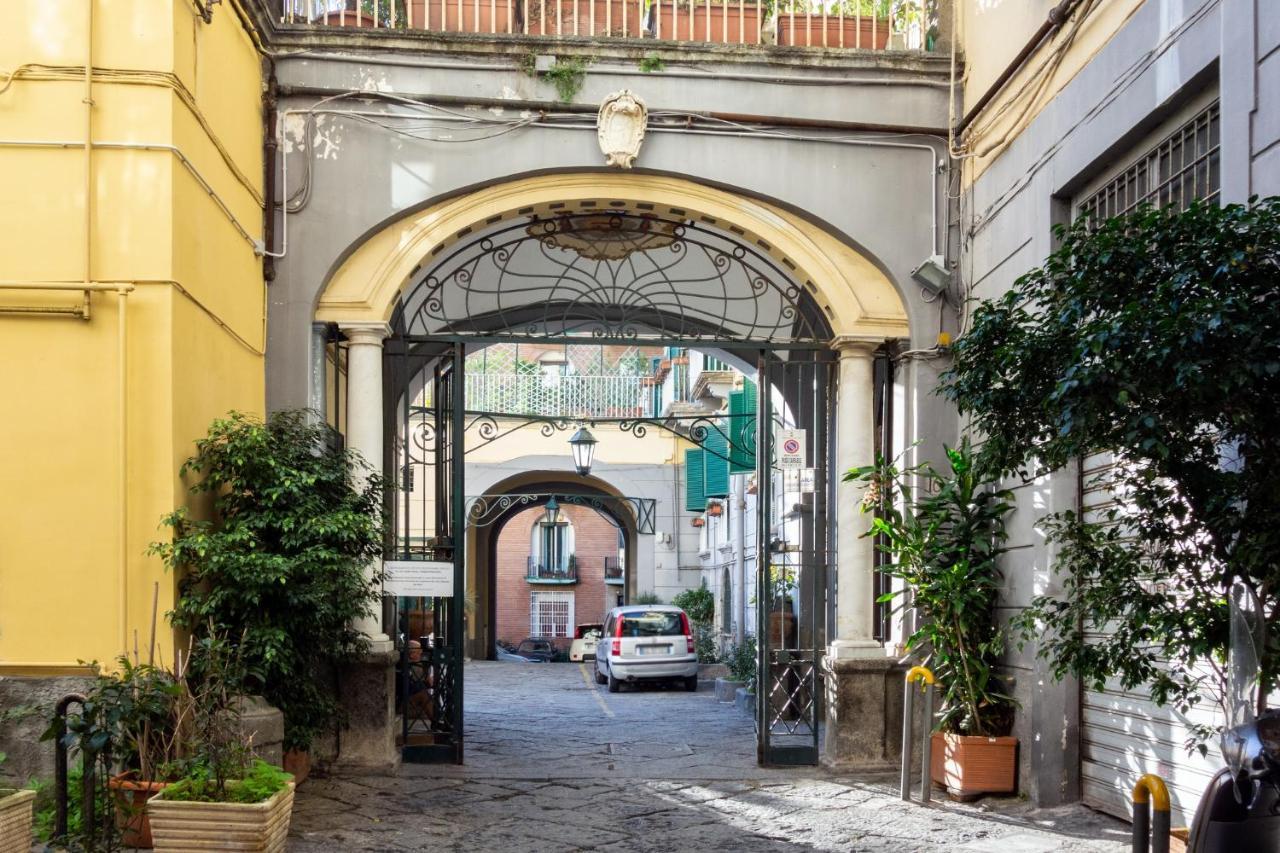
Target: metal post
(922, 674)
(926, 749)
(1153, 824)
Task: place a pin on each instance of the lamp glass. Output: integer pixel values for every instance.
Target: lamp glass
(583, 444)
(552, 512)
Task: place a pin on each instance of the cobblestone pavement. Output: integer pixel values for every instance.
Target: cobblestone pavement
(556, 764)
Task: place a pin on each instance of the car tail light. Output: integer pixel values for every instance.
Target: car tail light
(688, 634)
(617, 648)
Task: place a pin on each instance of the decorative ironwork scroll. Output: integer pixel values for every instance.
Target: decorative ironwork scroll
(483, 510)
(610, 275)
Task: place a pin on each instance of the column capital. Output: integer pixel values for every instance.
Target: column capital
(856, 346)
(372, 334)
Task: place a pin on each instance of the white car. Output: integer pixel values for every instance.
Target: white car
(585, 639)
(646, 642)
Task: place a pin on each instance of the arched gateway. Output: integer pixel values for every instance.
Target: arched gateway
(626, 258)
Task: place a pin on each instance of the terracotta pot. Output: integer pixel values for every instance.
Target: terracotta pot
(298, 762)
(715, 510)
(15, 820)
(807, 32)
(698, 522)
(968, 766)
(782, 629)
(131, 796)
(184, 826)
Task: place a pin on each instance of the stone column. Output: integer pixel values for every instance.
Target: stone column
(855, 555)
(319, 373)
(862, 685)
(365, 426)
(368, 686)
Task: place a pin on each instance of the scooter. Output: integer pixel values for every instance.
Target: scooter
(1240, 810)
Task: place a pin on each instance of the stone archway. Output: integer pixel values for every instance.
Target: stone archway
(846, 292)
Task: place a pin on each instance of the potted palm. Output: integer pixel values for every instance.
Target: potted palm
(945, 537)
(223, 797)
(15, 818)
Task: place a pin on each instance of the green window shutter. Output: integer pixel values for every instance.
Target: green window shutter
(715, 461)
(742, 426)
(695, 500)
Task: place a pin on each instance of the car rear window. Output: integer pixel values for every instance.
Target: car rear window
(654, 623)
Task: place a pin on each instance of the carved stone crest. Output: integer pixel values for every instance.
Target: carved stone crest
(620, 128)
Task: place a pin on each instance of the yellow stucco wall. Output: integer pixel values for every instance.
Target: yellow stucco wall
(992, 33)
(191, 92)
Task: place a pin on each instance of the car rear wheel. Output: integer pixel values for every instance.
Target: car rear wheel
(614, 684)
(600, 679)
(691, 684)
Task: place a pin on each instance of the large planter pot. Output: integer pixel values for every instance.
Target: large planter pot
(182, 826)
(131, 796)
(969, 766)
(15, 820)
(298, 763)
(716, 23)
(727, 689)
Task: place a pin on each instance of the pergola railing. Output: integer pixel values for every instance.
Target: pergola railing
(566, 396)
(841, 24)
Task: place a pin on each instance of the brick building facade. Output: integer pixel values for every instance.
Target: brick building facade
(569, 565)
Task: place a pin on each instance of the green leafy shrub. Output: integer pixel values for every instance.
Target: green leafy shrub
(944, 540)
(742, 663)
(281, 565)
(1154, 336)
(260, 783)
(647, 598)
(700, 605)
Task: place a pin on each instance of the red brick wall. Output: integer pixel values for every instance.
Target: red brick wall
(594, 539)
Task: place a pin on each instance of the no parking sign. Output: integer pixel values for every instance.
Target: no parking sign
(791, 448)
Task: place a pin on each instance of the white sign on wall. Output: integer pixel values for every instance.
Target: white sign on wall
(790, 450)
(414, 578)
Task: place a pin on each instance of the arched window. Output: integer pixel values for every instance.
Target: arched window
(551, 547)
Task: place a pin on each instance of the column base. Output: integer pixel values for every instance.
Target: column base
(864, 713)
(847, 649)
(368, 743)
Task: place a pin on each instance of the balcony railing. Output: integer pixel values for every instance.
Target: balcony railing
(618, 396)
(855, 24)
(539, 573)
(612, 570)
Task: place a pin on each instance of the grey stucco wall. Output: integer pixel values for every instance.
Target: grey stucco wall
(362, 177)
(1164, 56)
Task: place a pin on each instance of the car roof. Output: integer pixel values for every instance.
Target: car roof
(645, 608)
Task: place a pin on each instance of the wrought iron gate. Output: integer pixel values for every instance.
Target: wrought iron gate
(792, 577)
(427, 525)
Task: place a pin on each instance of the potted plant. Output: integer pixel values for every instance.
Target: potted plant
(715, 509)
(223, 797)
(782, 617)
(945, 538)
(133, 711)
(698, 521)
(281, 565)
(741, 660)
(15, 817)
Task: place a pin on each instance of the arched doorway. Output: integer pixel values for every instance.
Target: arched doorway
(623, 258)
(489, 513)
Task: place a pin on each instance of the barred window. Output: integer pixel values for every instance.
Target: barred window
(1182, 167)
(550, 614)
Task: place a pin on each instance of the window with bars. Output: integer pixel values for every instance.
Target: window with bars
(550, 614)
(1183, 167)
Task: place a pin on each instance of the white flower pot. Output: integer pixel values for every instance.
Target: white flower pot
(260, 827)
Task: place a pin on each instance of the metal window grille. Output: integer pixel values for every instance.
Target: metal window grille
(550, 614)
(1181, 168)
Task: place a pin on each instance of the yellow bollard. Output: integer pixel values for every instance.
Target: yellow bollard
(1146, 825)
(922, 674)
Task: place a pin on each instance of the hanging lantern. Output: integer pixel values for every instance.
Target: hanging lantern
(583, 444)
(553, 512)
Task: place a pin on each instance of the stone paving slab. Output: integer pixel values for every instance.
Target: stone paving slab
(556, 764)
